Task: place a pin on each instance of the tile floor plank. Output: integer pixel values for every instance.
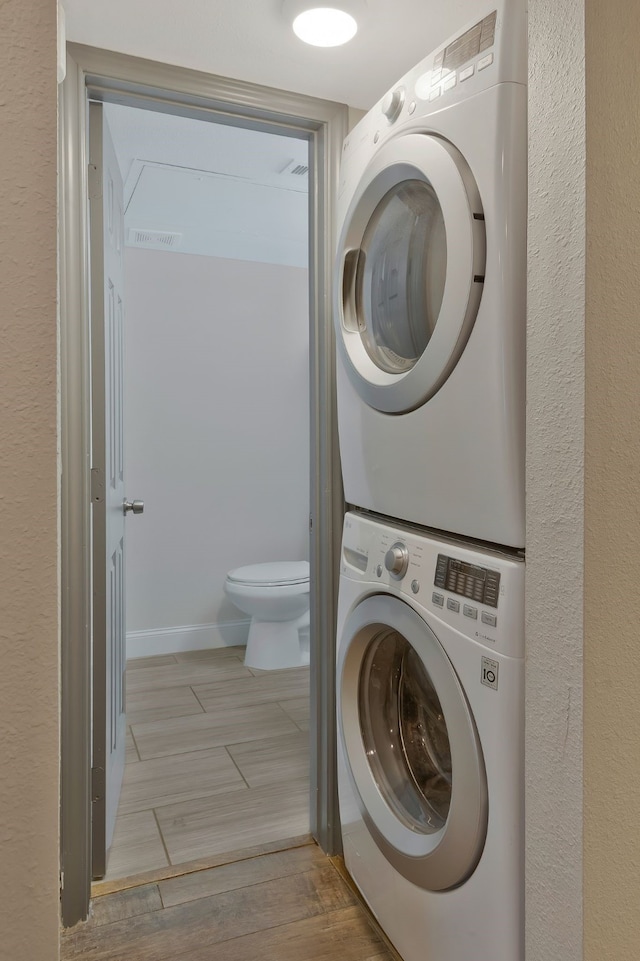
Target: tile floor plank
(158, 705)
(298, 710)
(156, 660)
(272, 760)
(218, 670)
(240, 874)
(126, 904)
(201, 732)
(342, 935)
(137, 845)
(192, 929)
(211, 653)
(182, 777)
(229, 821)
(267, 686)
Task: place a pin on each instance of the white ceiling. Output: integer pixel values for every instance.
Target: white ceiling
(221, 188)
(250, 40)
(225, 191)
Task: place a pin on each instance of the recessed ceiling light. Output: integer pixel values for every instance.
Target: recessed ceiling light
(324, 26)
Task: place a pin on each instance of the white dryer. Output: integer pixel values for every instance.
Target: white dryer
(430, 681)
(430, 285)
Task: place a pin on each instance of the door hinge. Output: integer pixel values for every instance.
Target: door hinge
(97, 784)
(94, 182)
(97, 485)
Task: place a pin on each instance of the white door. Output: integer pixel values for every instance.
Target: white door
(107, 473)
(410, 272)
(411, 745)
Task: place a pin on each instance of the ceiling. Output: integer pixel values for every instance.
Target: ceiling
(211, 189)
(250, 40)
(225, 191)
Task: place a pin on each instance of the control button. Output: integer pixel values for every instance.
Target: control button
(489, 619)
(412, 106)
(379, 570)
(485, 62)
(470, 611)
(392, 104)
(467, 72)
(450, 82)
(453, 605)
(438, 599)
(415, 586)
(435, 94)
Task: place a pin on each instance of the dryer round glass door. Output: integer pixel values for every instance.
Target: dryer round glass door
(411, 745)
(410, 272)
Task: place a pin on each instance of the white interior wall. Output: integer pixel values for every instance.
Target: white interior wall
(217, 438)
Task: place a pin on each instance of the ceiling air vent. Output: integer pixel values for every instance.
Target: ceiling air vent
(295, 169)
(157, 239)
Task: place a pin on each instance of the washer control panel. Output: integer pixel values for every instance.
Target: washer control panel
(469, 580)
(477, 591)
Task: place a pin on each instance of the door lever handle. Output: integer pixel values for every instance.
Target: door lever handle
(136, 507)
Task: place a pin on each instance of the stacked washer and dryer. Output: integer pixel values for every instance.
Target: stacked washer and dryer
(430, 325)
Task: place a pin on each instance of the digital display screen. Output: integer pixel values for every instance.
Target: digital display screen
(478, 584)
(465, 48)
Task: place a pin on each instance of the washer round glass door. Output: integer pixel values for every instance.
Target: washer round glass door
(410, 270)
(411, 745)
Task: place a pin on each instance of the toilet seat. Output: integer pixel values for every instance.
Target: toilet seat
(272, 574)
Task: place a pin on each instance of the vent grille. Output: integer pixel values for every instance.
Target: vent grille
(295, 169)
(160, 239)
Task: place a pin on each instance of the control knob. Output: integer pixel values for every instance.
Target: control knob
(392, 104)
(396, 560)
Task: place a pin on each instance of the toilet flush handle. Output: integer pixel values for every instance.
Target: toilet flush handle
(136, 507)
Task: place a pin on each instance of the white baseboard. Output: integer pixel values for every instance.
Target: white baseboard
(190, 637)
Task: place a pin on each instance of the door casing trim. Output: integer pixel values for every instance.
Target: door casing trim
(117, 78)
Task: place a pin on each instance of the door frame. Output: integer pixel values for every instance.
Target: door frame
(117, 78)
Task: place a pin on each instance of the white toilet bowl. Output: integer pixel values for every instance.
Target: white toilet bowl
(276, 595)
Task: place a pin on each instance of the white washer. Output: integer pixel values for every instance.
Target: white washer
(430, 680)
(430, 289)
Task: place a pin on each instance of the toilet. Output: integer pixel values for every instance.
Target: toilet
(276, 596)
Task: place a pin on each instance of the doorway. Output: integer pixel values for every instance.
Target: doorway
(112, 78)
(216, 442)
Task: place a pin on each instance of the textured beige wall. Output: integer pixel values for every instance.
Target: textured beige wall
(555, 482)
(612, 485)
(28, 484)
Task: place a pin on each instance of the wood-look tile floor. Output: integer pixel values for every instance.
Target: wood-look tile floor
(286, 906)
(217, 760)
